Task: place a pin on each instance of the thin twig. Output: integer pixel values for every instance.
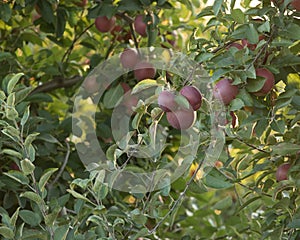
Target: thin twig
(62, 168)
(252, 146)
(182, 194)
(76, 38)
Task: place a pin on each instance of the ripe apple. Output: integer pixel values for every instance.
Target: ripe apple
(81, 3)
(140, 26)
(251, 46)
(296, 5)
(103, 24)
(269, 83)
(129, 101)
(218, 164)
(125, 86)
(233, 119)
(14, 166)
(225, 91)
(166, 101)
(182, 118)
(193, 95)
(236, 45)
(282, 172)
(91, 85)
(144, 70)
(129, 58)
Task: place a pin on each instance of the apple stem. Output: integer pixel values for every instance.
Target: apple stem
(130, 21)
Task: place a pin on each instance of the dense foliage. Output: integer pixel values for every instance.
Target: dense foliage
(248, 55)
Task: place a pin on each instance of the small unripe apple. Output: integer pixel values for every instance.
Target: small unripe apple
(234, 44)
(166, 101)
(193, 95)
(282, 172)
(129, 58)
(182, 118)
(103, 24)
(225, 91)
(144, 70)
(140, 26)
(296, 5)
(269, 83)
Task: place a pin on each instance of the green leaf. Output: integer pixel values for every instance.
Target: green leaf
(5, 12)
(215, 179)
(292, 31)
(217, 6)
(12, 133)
(22, 94)
(17, 176)
(12, 152)
(182, 101)
(285, 148)
(238, 16)
(25, 116)
(251, 34)
(295, 223)
(78, 195)
(14, 217)
(45, 177)
(278, 126)
(113, 96)
(6, 232)
(31, 218)
(61, 232)
(30, 138)
(236, 104)
(60, 21)
(144, 84)
(223, 203)
(32, 196)
(50, 218)
(13, 81)
(27, 166)
(254, 85)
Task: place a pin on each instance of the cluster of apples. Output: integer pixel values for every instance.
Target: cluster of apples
(105, 24)
(179, 116)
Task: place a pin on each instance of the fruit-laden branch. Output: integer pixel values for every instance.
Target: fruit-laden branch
(57, 83)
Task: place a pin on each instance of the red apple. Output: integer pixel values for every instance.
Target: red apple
(193, 95)
(282, 172)
(129, 101)
(225, 91)
(234, 44)
(125, 86)
(296, 5)
(91, 85)
(182, 118)
(166, 101)
(233, 119)
(129, 58)
(81, 3)
(14, 166)
(269, 83)
(251, 46)
(144, 70)
(103, 24)
(140, 26)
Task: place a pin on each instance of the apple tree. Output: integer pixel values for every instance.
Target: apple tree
(220, 82)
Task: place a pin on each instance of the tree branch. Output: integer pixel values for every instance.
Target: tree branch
(57, 83)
